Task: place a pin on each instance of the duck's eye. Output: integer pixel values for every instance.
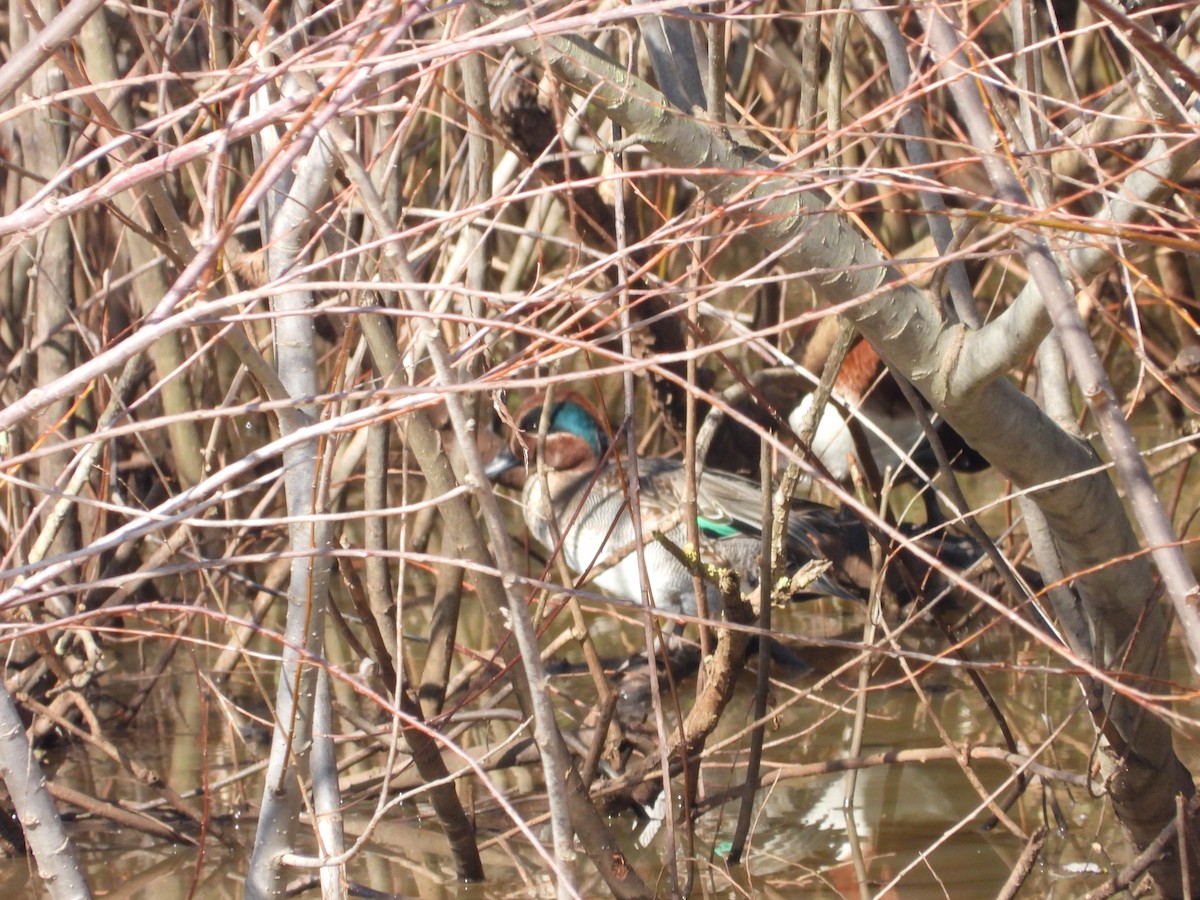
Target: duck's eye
(530, 421)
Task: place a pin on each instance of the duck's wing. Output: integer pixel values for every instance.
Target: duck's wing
(737, 501)
(730, 500)
(726, 505)
(661, 496)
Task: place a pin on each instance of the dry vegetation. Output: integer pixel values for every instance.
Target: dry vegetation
(275, 284)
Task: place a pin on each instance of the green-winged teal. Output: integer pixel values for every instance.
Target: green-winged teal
(584, 491)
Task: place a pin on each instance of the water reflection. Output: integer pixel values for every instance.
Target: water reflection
(917, 823)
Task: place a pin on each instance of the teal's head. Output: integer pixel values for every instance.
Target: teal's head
(581, 437)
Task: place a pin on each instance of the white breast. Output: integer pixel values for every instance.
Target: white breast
(833, 444)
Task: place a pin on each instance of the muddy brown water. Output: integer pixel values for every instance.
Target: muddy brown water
(917, 826)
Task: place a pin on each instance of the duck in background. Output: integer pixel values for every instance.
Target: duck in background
(867, 389)
(584, 492)
(866, 401)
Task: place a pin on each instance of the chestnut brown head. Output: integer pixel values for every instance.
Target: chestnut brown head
(574, 438)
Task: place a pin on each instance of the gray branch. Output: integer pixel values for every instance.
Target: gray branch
(308, 540)
(55, 854)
